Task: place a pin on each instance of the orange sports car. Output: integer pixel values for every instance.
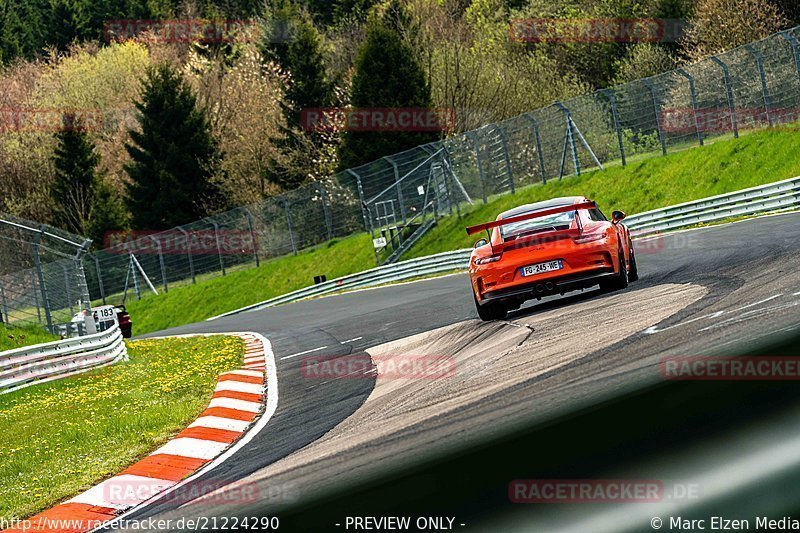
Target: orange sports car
(547, 248)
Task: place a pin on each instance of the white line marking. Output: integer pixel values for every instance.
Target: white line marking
(303, 353)
(351, 340)
(233, 403)
(761, 302)
(195, 448)
(240, 386)
(122, 492)
(218, 422)
(796, 294)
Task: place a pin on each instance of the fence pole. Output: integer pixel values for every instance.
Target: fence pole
(795, 52)
(474, 138)
(576, 165)
(538, 142)
(161, 262)
(133, 268)
(726, 79)
(479, 161)
(693, 96)
(764, 91)
(288, 212)
(67, 288)
(189, 253)
(506, 157)
(367, 217)
(253, 239)
(400, 200)
(99, 278)
(36, 297)
(657, 113)
(219, 247)
(612, 98)
(4, 309)
(42, 285)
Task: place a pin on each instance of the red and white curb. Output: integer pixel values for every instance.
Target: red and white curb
(237, 412)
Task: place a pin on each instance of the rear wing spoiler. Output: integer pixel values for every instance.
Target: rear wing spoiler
(529, 216)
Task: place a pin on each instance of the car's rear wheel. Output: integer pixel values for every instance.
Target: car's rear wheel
(620, 281)
(492, 311)
(633, 275)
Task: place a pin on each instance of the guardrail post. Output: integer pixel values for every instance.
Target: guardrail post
(764, 91)
(42, 285)
(400, 200)
(36, 297)
(286, 205)
(693, 96)
(189, 253)
(364, 212)
(451, 176)
(161, 262)
(657, 113)
(612, 99)
(795, 52)
(479, 160)
(99, 278)
(506, 157)
(726, 79)
(219, 247)
(252, 230)
(570, 140)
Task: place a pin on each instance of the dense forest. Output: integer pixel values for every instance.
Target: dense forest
(103, 128)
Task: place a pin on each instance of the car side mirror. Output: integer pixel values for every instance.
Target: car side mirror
(481, 242)
(617, 216)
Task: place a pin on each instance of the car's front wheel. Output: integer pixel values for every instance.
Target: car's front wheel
(492, 311)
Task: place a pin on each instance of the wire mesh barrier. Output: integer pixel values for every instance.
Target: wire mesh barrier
(399, 197)
(41, 275)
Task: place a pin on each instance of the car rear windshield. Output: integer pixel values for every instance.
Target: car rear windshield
(558, 221)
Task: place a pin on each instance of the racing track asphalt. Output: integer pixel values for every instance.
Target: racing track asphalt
(705, 291)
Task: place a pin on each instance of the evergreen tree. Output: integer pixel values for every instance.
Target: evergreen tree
(387, 75)
(297, 46)
(174, 156)
(84, 203)
(75, 176)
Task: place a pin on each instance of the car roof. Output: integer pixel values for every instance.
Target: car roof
(554, 202)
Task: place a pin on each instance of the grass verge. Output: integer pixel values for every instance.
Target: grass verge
(59, 438)
(724, 166)
(12, 337)
(192, 303)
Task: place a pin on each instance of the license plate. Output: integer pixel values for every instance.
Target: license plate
(540, 268)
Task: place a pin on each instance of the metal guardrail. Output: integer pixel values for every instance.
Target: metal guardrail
(774, 196)
(31, 365)
(771, 197)
(404, 270)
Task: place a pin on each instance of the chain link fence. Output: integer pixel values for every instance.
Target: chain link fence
(398, 197)
(41, 276)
